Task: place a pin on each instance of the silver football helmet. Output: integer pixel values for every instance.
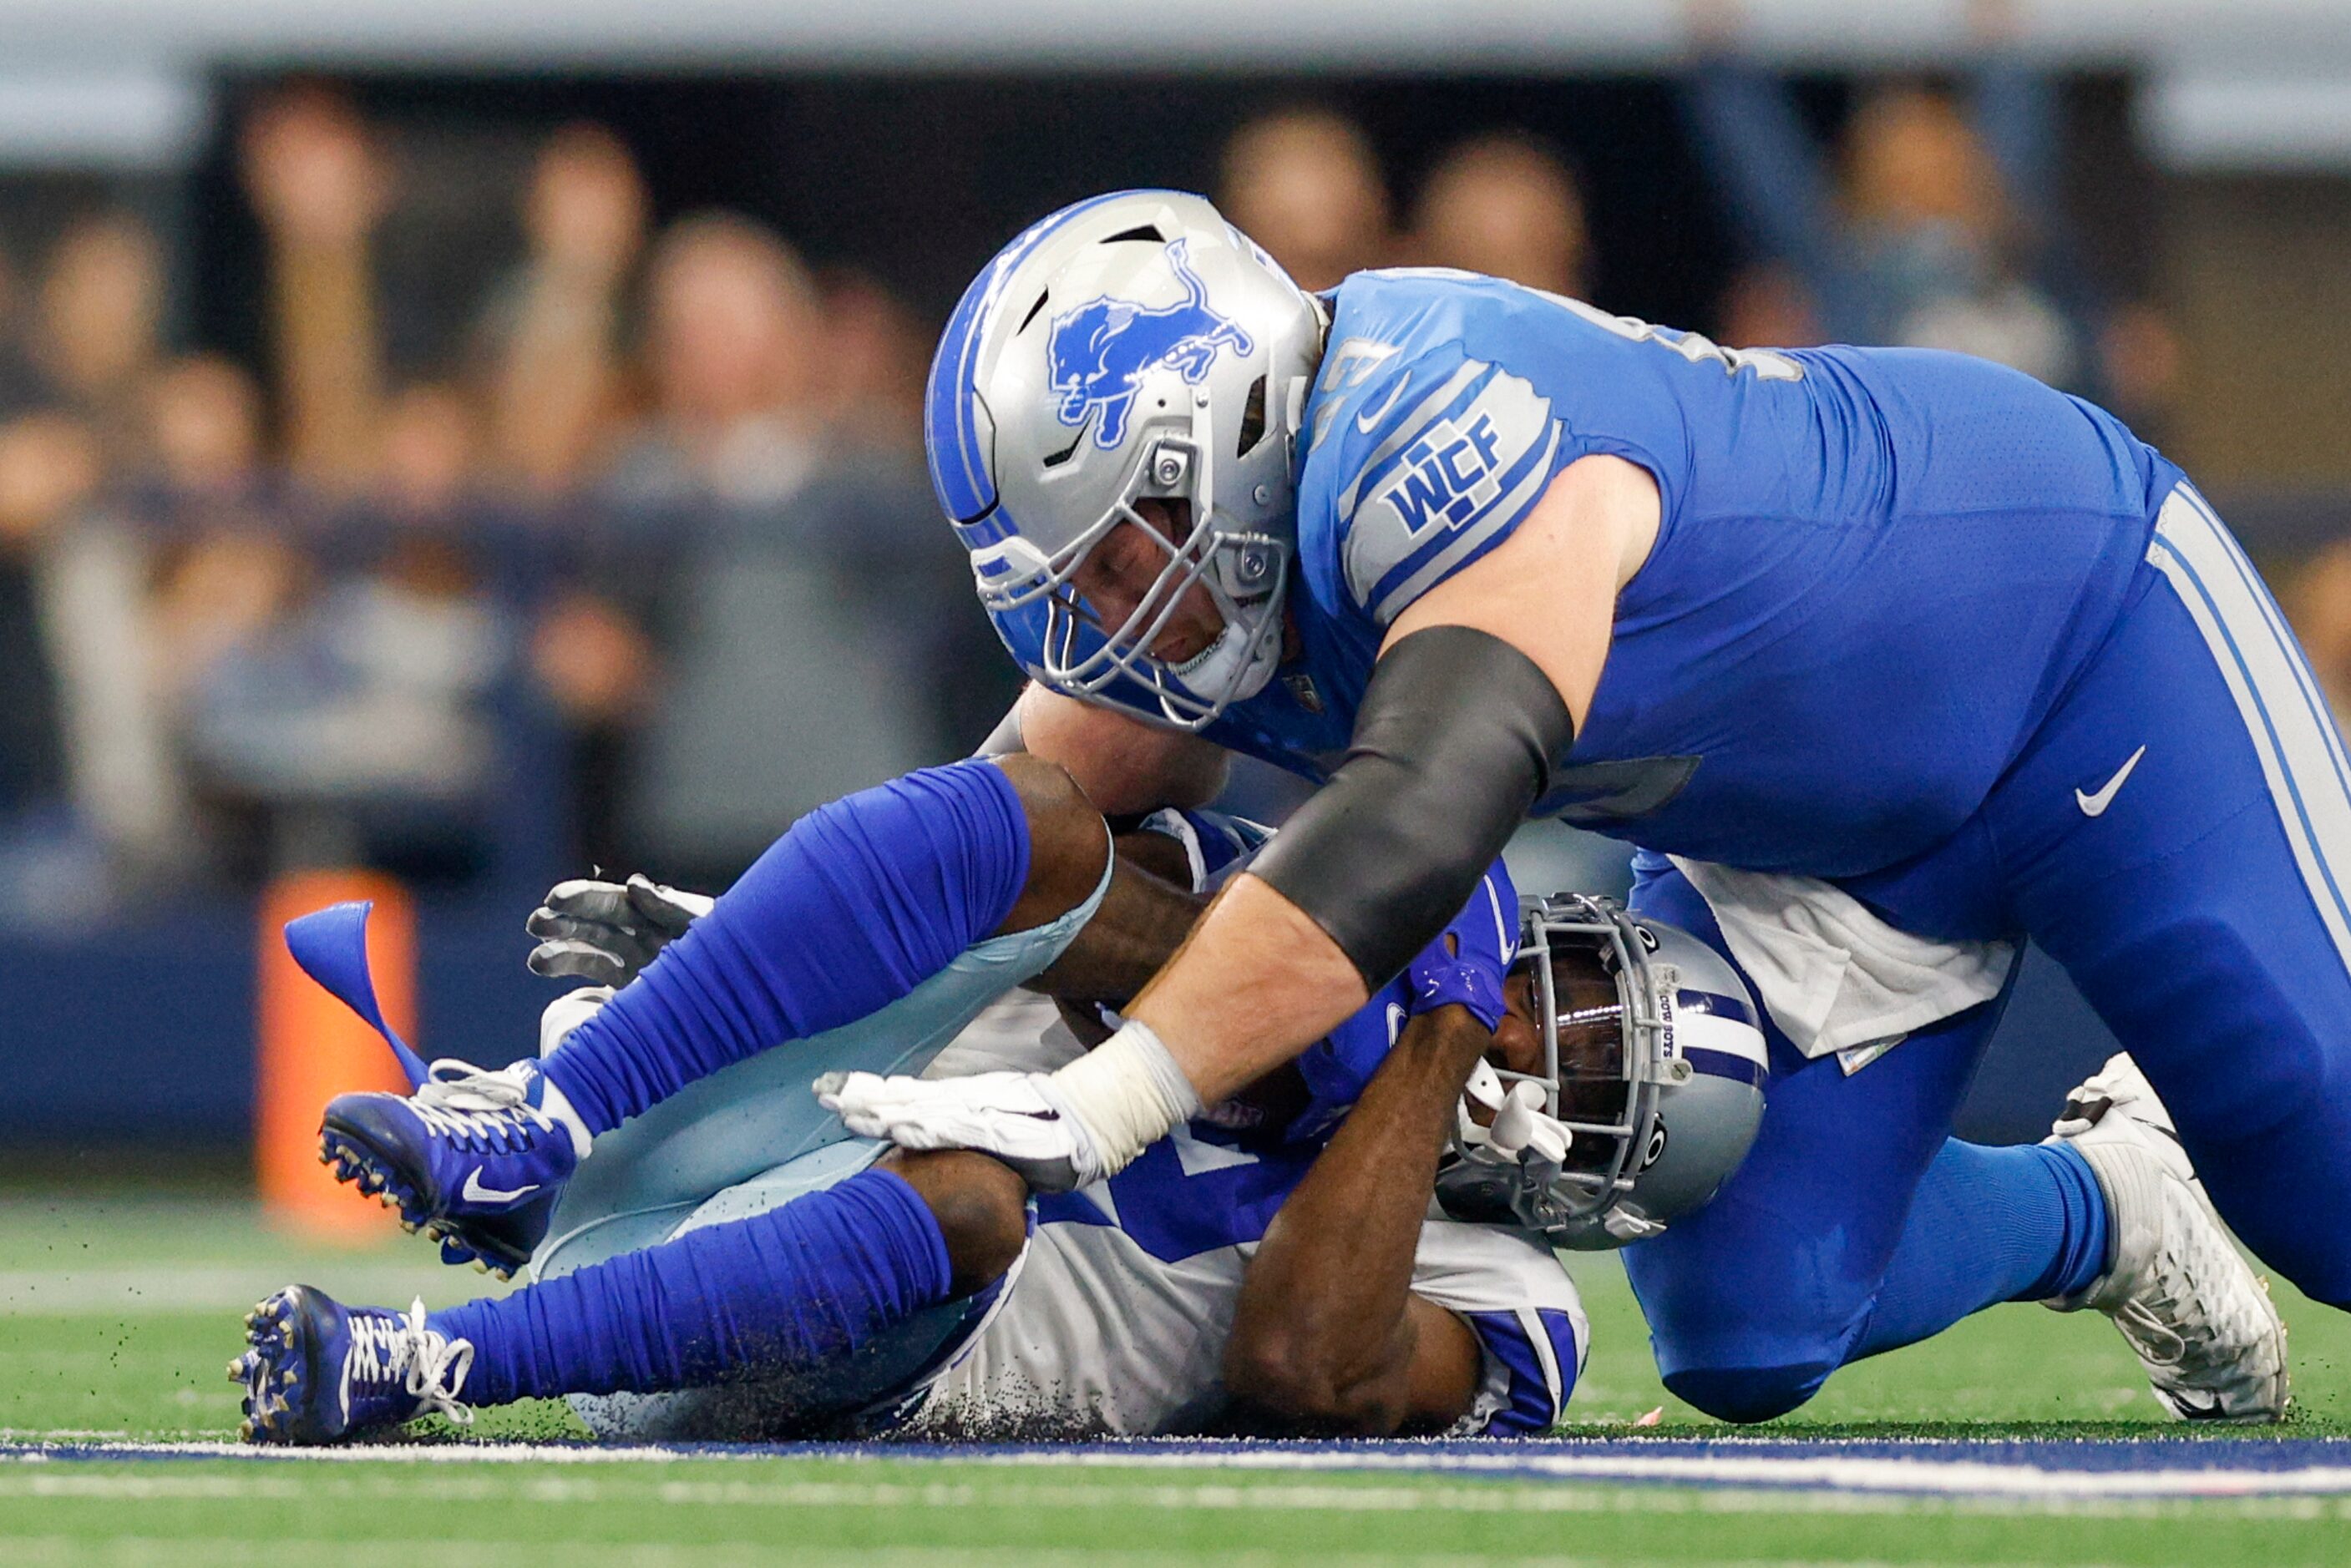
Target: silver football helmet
(1650, 1090)
(1129, 346)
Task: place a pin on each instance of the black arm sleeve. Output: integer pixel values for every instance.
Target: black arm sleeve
(1456, 739)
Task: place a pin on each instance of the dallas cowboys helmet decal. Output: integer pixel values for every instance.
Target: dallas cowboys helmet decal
(1100, 350)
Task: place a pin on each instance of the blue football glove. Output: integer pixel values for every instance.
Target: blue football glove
(1466, 964)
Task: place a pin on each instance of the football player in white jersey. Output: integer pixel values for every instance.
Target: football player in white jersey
(691, 1281)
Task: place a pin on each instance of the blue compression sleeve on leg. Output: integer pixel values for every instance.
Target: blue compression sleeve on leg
(858, 903)
(790, 1288)
(1990, 1225)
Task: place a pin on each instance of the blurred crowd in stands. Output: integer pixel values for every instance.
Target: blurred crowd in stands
(650, 566)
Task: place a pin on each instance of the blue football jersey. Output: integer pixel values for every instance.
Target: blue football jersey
(1876, 569)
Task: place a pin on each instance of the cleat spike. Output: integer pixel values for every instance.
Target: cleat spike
(481, 1265)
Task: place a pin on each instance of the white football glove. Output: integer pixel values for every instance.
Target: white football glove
(608, 932)
(1020, 1118)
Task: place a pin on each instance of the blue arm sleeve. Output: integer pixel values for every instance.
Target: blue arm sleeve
(858, 903)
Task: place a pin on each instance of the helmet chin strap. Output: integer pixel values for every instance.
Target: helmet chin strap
(1236, 662)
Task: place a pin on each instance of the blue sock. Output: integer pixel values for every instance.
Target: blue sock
(858, 903)
(790, 1288)
(1990, 1225)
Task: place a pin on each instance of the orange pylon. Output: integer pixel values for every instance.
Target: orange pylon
(310, 1048)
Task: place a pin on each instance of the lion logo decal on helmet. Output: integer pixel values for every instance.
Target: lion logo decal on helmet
(1100, 350)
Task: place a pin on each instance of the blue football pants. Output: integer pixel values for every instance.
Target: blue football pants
(2203, 908)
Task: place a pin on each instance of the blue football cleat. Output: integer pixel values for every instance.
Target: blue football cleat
(317, 1372)
(473, 1158)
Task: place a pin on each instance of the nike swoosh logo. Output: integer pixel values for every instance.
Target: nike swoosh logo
(2095, 804)
(476, 1192)
(1365, 421)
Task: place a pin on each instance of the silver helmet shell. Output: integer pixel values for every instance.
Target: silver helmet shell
(1678, 1079)
(1137, 345)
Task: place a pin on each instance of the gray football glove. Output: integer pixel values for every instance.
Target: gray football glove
(608, 932)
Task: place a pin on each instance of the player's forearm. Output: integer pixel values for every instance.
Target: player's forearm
(1256, 982)
(1125, 767)
(1323, 1326)
(1140, 925)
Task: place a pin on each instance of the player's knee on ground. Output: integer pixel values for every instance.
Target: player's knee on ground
(1748, 1393)
(1067, 842)
(982, 1209)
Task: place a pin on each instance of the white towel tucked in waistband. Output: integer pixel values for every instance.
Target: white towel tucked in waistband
(1834, 977)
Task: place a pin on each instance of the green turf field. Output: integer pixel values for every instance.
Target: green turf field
(116, 1318)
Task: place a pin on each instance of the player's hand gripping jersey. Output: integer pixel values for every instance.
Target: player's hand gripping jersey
(1836, 644)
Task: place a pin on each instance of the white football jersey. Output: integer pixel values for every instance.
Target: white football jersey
(1113, 1322)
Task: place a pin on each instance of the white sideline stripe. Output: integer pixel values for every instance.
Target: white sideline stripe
(2294, 738)
(37, 1550)
(868, 1497)
(93, 1292)
(35, 1474)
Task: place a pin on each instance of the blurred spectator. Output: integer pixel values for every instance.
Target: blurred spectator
(229, 564)
(46, 466)
(94, 339)
(2317, 600)
(559, 381)
(1920, 244)
(20, 383)
(1507, 206)
(735, 331)
(790, 566)
(1767, 305)
(1944, 229)
(1306, 186)
(87, 798)
(877, 358)
(204, 425)
(358, 711)
(319, 187)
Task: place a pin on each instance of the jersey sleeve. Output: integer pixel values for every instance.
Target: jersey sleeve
(1446, 404)
(1507, 1286)
(1442, 453)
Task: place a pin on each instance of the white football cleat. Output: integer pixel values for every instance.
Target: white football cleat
(2199, 1320)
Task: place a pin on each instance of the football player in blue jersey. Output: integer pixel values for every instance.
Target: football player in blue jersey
(724, 1260)
(1886, 660)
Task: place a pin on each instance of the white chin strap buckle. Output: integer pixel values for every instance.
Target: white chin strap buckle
(1521, 1129)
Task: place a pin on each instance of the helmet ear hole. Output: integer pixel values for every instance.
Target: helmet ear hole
(1253, 431)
